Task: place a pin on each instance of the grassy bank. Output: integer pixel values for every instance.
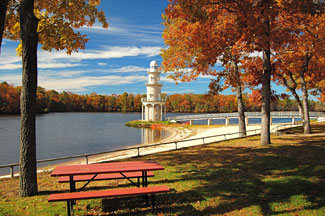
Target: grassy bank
(236, 177)
(139, 123)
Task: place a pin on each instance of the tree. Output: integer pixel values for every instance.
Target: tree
(300, 63)
(199, 31)
(231, 58)
(220, 24)
(3, 10)
(195, 34)
(52, 24)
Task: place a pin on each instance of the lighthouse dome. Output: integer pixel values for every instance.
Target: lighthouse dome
(154, 64)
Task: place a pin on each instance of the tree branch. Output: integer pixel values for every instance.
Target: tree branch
(3, 11)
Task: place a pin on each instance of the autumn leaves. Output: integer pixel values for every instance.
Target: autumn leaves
(255, 41)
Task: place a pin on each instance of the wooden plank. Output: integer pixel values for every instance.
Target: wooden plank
(117, 167)
(107, 193)
(112, 176)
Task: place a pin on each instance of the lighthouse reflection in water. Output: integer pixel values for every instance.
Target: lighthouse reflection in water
(153, 135)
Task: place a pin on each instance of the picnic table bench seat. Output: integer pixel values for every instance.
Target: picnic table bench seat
(71, 197)
(99, 177)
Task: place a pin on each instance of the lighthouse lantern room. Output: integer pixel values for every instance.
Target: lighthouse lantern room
(153, 107)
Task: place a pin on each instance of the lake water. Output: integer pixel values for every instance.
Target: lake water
(67, 134)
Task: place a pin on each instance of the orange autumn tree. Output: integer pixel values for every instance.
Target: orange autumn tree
(196, 44)
(53, 24)
(231, 77)
(218, 24)
(256, 26)
(300, 65)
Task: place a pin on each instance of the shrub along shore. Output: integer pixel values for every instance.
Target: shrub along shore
(53, 101)
(237, 177)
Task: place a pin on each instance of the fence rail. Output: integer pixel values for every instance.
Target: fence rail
(175, 145)
(275, 114)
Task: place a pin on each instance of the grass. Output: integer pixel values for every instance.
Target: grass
(139, 123)
(237, 177)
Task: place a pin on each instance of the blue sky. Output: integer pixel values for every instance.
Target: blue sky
(115, 59)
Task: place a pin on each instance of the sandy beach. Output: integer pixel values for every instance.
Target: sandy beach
(182, 137)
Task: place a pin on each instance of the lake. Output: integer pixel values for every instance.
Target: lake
(66, 134)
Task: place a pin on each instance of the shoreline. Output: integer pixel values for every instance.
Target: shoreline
(178, 135)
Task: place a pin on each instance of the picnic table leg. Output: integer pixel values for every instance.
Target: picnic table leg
(145, 184)
(70, 207)
(72, 188)
(153, 203)
(72, 184)
(146, 178)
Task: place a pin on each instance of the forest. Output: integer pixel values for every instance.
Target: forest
(53, 101)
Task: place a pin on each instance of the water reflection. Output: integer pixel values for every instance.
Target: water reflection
(149, 135)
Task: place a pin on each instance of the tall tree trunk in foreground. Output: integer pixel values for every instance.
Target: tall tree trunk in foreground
(29, 38)
(240, 103)
(3, 10)
(266, 80)
(266, 96)
(304, 90)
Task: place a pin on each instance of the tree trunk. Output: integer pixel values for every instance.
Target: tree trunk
(240, 104)
(29, 38)
(306, 122)
(3, 10)
(294, 94)
(266, 78)
(266, 96)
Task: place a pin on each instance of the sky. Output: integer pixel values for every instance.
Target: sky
(115, 60)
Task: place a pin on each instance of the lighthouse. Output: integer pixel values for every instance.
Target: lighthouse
(153, 107)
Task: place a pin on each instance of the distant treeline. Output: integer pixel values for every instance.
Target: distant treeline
(53, 101)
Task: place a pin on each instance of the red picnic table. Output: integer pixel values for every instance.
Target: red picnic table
(106, 171)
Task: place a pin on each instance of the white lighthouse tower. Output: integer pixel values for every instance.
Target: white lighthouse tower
(153, 105)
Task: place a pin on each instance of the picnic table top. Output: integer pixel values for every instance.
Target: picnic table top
(100, 168)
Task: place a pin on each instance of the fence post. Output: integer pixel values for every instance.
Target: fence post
(176, 145)
(86, 159)
(12, 171)
(138, 151)
(203, 140)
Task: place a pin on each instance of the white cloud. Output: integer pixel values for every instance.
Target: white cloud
(10, 66)
(138, 33)
(14, 79)
(107, 52)
(59, 59)
(102, 64)
(56, 65)
(55, 74)
(128, 69)
(82, 83)
(9, 60)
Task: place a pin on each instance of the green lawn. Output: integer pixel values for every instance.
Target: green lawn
(236, 177)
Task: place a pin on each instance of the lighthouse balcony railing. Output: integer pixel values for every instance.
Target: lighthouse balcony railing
(154, 83)
(153, 100)
(153, 70)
